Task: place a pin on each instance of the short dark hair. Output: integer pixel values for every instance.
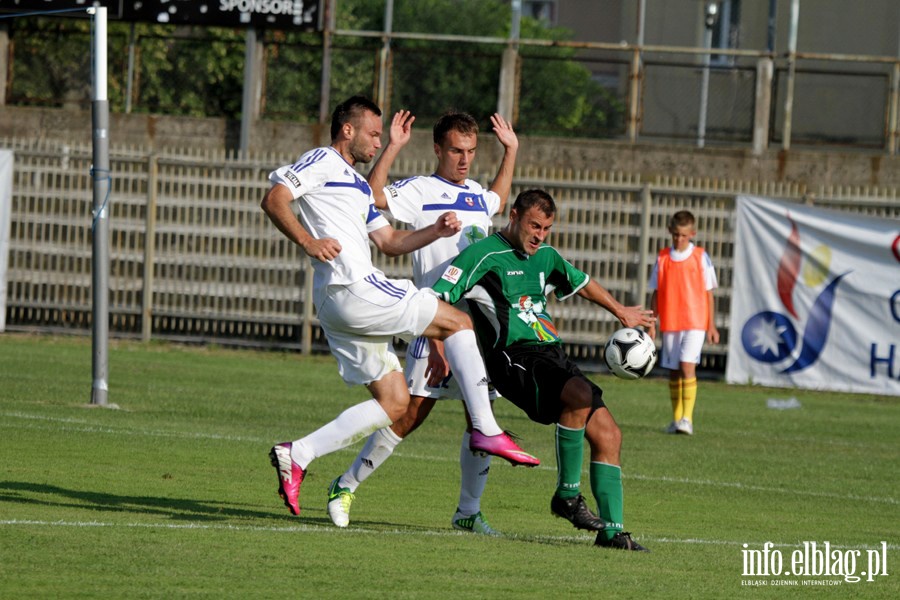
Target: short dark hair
(350, 110)
(454, 120)
(681, 219)
(534, 198)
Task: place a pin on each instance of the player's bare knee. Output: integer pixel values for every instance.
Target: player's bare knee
(612, 438)
(404, 425)
(603, 432)
(447, 321)
(416, 412)
(459, 321)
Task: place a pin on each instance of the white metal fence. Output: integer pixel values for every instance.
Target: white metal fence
(193, 258)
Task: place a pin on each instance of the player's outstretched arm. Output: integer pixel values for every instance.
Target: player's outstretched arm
(629, 316)
(394, 242)
(400, 133)
(503, 181)
(277, 206)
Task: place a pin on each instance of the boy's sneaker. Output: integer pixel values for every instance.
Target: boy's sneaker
(474, 523)
(503, 446)
(575, 511)
(684, 426)
(621, 541)
(339, 500)
(672, 428)
(290, 475)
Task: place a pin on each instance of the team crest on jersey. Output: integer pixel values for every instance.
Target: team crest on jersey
(532, 313)
(475, 233)
(452, 274)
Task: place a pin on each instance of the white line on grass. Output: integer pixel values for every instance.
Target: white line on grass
(399, 532)
(760, 488)
(90, 428)
(276, 529)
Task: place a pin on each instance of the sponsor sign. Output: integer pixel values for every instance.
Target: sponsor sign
(815, 300)
(275, 14)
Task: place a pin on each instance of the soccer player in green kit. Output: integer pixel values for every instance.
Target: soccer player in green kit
(506, 279)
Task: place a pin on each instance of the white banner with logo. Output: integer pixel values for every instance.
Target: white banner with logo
(816, 299)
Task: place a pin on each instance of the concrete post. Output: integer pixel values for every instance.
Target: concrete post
(383, 97)
(4, 60)
(634, 89)
(792, 69)
(507, 94)
(328, 21)
(765, 69)
(250, 102)
(509, 76)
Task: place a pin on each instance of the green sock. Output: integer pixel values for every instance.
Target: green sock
(569, 458)
(606, 483)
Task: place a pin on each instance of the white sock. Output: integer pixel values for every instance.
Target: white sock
(473, 468)
(378, 449)
(350, 426)
(468, 369)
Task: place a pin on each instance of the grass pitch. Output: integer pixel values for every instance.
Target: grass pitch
(172, 494)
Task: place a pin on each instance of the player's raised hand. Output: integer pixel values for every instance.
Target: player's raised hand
(324, 249)
(401, 127)
(447, 224)
(504, 131)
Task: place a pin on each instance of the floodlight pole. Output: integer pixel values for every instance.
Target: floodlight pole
(101, 180)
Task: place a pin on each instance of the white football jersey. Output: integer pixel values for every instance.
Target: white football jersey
(333, 201)
(420, 200)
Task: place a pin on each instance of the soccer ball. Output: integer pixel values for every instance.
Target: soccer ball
(630, 353)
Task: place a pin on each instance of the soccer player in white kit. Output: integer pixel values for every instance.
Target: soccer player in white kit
(418, 201)
(359, 309)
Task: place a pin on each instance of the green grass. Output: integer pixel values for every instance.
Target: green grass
(172, 495)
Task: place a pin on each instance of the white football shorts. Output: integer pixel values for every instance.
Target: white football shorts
(360, 321)
(681, 347)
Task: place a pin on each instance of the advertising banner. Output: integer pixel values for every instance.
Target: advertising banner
(816, 299)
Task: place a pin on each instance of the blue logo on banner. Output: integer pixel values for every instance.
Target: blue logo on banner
(771, 337)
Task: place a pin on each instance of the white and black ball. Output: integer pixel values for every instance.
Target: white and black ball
(630, 353)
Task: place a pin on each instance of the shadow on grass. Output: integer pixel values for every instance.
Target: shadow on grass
(173, 508)
(211, 511)
(177, 509)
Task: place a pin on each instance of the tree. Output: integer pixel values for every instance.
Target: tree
(198, 71)
(557, 95)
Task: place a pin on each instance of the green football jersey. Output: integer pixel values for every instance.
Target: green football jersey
(507, 290)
